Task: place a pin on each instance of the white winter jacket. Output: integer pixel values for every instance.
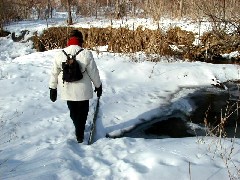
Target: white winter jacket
(79, 90)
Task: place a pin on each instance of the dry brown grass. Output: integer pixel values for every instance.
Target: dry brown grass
(123, 40)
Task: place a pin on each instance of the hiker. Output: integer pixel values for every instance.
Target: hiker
(77, 93)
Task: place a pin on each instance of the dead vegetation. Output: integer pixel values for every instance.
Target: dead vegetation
(122, 40)
(4, 33)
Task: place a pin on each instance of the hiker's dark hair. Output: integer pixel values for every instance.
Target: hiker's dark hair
(78, 34)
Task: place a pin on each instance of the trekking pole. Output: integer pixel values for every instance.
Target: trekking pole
(92, 130)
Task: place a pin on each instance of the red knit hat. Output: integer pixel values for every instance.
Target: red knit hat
(74, 41)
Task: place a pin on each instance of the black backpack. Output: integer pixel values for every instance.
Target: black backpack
(71, 68)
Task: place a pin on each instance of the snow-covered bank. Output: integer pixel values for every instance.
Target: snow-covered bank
(124, 158)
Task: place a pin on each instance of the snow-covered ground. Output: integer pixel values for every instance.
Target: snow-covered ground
(37, 136)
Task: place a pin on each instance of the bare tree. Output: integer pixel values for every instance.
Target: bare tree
(219, 11)
(68, 5)
(96, 8)
(70, 21)
(181, 8)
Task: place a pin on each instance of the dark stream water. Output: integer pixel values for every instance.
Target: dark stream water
(211, 104)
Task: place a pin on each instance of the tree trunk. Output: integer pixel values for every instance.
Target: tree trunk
(69, 13)
(224, 14)
(49, 8)
(181, 8)
(117, 11)
(96, 8)
(224, 10)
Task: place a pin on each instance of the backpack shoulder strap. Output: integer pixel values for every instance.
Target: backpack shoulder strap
(78, 52)
(74, 56)
(66, 54)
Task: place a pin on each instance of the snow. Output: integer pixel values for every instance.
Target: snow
(37, 136)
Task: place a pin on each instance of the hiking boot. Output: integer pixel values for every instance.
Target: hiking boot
(79, 140)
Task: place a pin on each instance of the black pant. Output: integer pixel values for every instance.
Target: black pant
(78, 113)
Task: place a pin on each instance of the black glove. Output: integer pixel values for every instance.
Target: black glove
(53, 94)
(98, 90)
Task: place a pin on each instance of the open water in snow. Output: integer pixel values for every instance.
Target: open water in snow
(211, 104)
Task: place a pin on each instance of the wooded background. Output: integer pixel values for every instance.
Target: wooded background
(216, 11)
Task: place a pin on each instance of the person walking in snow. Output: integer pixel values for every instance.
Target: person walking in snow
(77, 93)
